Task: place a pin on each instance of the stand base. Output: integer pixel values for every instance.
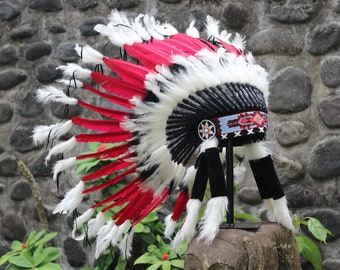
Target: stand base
(241, 226)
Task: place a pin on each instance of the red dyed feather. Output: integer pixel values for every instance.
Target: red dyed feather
(115, 99)
(230, 48)
(98, 125)
(109, 153)
(180, 205)
(110, 137)
(115, 114)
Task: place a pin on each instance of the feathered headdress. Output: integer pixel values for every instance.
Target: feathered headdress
(180, 94)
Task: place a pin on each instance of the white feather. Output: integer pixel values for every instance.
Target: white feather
(139, 28)
(72, 199)
(81, 220)
(72, 83)
(121, 229)
(170, 226)
(188, 229)
(94, 225)
(61, 148)
(43, 133)
(150, 26)
(239, 42)
(117, 17)
(52, 94)
(212, 26)
(192, 30)
(213, 217)
(104, 238)
(125, 246)
(62, 165)
(89, 55)
(75, 70)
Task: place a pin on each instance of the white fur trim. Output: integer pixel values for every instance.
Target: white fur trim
(81, 220)
(89, 55)
(72, 199)
(188, 229)
(214, 215)
(61, 148)
(268, 203)
(52, 94)
(75, 70)
(189, 177)
(95, 224)
(213, 143)
(42, 133)
(256, 151)
(170, 226)
(281, 213)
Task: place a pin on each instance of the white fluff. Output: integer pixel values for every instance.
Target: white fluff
(95, 224)
(125, 246)
(89, 55)
(189, 177)
(256, 151)
(139, 28)
(73, 83)
(150, 26)
(170, 226)
(188, 229)
(213, 216)
(281, 213)
(121, 229)
(212, 143)
(62, 165)
(192, 30)
(104, 237)
(43, 133)
(75, 70)
(239, 42)
(72, 199)
(52, 94)
(212, 26)
(81, 220)
(61, 148)
(268, 203)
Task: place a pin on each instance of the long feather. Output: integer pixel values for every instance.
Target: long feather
(98, 125)
(110, 137)
(112, 152)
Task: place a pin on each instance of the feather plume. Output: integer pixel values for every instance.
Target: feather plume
(212, 26)
(60, 148)
(62, 165)
(81, 220)
(52, 94)
(89, 55)
(72, 199)
(95, 224)
(125, 246)
(72, 69)
(192, 30)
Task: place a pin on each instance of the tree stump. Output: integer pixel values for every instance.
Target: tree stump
(269, 247)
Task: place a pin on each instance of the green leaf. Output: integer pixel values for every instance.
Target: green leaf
(16, 245)
(4, 258)
(317, 229)
(48, 237)
(296, 222)
(50, 254)
(146, 258)
(20, 261)
(30, 238)
(177, 263)
(246, 216)
(166, 265)
(27, 256)
(121, 265)
(139, 228)
(148, 238)
(49, 266)
(154, 266)
(309, 250)
(38, 235)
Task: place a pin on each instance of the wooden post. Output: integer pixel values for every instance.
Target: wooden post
(270, 247)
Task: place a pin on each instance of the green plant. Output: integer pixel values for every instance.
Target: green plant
(34, 254)
(307, 247)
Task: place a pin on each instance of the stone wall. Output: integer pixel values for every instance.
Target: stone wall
(297, 41)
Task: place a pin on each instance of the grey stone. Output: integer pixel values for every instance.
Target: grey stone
(1, 149)
(20, 139)
(67, 53)
(8, 166)
(275, 40)
(324, 162)
(331, 264)
(330, 71)
(288, 171)
(39, 168)
(65, 112)
(6, 111)
(28, 106)
(329, 218)
(249, 195)
(86, 28)
(84, 4)
(57, 28)
(48, 72)
(22, 32)
(37, 50)
(2, 188)
(295, 12)
(171, 1)
(8, 54)
(74, 252)
(336, 6)
(11, 77)
(235, 16)
(46, 5)
(48, 212)
(123, 4)
(20, 191)
(299, 196)
(290, 91)
(8, 11)
(289, 133)
(13, 227)
(329, 109)
(324, 38)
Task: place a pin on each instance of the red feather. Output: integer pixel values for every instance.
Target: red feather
(181, 203)
(230, 48)
(196, 43)
(117, 86)
(115, 99)
(165, 46)
(115, 114)
(112, 181)
(109, 169)
(110, 137)
(98, 125)
(127, 71)
(110, 153)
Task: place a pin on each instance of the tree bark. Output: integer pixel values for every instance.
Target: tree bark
(269, 247)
